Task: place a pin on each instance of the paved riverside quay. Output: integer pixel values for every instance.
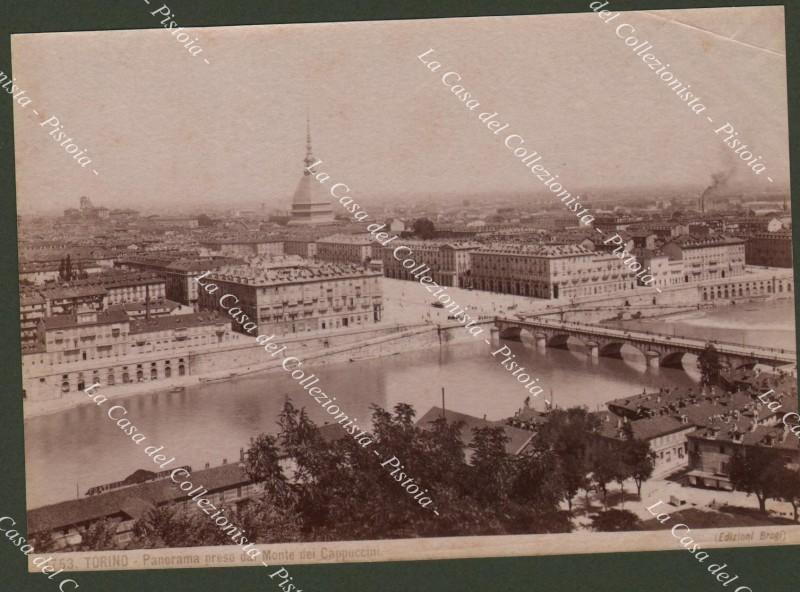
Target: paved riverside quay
(659, 349)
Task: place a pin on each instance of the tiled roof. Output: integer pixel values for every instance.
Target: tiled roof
(528, 250)
(104, 317)
(296, 273)
(132, 501)
(645, 429)
(352, 239)
(518, 438)
(166, 323)
(688, 241)
(744, 432)
(73, 292)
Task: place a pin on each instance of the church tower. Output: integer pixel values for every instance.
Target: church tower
(311, 203)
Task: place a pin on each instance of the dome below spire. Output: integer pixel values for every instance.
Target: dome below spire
(311, 203)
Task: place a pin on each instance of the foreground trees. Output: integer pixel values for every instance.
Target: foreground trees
(317, 488)
(761, 472)
(789, 488)
(568, 436)
(331, 488)
(615, 521)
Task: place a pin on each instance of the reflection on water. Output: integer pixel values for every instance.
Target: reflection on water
(211, 422)
(208, 423)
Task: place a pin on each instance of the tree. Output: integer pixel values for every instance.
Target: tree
(62, 269)
(757, 470)
(789, 488)
(568, 434)
(424, 228)
(605, 467)
(615, 521)
(539, 481)
(162, 526)
(640, 460)
(80, 273)
(622, 472)
(262, 465)
(491, 465)
(709, 365)
(99, 536)
(204, 221)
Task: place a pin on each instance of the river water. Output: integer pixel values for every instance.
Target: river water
(75, 449)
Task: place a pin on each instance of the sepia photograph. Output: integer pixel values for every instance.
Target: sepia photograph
(357, 292)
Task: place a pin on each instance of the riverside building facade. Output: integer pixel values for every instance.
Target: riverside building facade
(296, 296)
(707, 257)
(107, 347)
(549, 271)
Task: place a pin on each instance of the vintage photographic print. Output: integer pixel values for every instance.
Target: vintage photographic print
(395, 290)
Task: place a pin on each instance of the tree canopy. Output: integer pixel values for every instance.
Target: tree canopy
(424, 228)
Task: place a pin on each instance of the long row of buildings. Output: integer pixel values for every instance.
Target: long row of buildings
(338, 288)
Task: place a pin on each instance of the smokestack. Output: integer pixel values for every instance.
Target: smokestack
(717, 180)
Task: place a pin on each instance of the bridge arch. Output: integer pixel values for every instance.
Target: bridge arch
(558, 341)
(750, 364)
(511, 333)
(612, 349)
(673, 360)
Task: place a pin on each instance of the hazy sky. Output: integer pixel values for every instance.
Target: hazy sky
(164, 127)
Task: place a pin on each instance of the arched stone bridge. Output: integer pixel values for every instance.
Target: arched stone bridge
(658, 349)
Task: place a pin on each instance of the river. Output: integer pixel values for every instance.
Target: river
(75, 449)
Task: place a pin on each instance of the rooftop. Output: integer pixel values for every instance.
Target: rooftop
(518, 438)
(132, 502)
(165, 323)
(296, 273)
(528, 250)
(688, 241)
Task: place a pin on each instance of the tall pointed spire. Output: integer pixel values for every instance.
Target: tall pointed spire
(309, 160)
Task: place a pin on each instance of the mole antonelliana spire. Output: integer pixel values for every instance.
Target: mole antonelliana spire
(311, 203)
(309, 156)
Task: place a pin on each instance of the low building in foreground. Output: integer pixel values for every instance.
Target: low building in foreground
(665, 435)
(64, 524)
(518, 438)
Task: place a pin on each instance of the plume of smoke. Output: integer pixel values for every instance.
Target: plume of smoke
(718, 180)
